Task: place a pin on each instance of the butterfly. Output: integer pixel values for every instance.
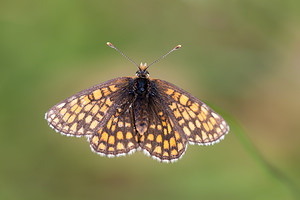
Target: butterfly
(127, 114)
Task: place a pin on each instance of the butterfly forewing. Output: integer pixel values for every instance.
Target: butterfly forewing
(83, 113)
(193, 119)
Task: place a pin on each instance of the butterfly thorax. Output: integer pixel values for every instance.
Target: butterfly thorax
(141, 87)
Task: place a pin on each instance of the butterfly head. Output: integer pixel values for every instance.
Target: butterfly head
(142, 72)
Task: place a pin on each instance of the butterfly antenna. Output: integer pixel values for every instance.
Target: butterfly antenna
(175, 48)
(112, 46)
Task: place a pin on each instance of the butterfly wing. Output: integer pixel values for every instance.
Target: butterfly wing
(117, 136)
(84, 113)
(162, 141)
(192, 118)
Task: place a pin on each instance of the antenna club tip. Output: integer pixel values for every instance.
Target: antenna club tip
(177, 47)
(110, 44)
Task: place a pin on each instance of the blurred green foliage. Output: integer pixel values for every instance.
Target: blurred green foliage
(239, 56)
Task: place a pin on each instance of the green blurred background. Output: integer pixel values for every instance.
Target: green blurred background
(242, 57)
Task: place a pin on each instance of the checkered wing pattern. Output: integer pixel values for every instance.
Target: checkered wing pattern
(117, 136)
(162, 141)
(86, 112)
(192, 119)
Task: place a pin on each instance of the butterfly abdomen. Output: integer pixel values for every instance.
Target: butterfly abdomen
(141, 114)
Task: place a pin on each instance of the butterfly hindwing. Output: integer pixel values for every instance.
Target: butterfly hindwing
(194, 119)
(117, 136)
(85, 112)
(161, 140)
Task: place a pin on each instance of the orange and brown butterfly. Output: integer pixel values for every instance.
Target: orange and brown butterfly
(127, 114)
